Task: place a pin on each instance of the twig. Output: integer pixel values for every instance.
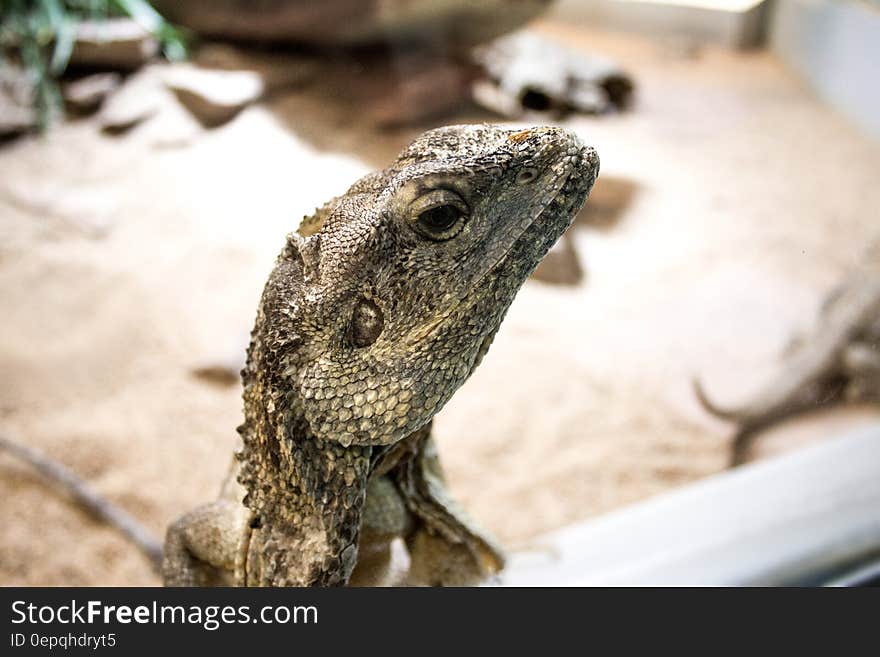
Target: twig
(88, 499)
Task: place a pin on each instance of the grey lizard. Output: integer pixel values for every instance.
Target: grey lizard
(837, 361)
(378, 309)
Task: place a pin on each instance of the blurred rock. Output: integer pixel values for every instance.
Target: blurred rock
(85, 95)
(561, 265)
(455, 23)
(17, 113)
(221, 364)
(525, 72)
(116, 43)
(217, 374)
(64, 209)
(610, 200)
(135, 101)
(213, 96)
(421, 88)
(144, 98)
(277, 71)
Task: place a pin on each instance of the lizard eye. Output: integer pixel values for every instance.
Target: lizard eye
(439, 215)
(440, 219)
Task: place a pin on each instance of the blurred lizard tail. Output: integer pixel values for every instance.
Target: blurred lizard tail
(87, 498)
(732, 415)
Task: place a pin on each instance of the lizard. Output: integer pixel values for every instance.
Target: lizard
(837, 361)
(380, 305)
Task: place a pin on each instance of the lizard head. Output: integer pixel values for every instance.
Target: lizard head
(402, 282)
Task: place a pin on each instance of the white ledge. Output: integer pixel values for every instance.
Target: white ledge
(795, 519)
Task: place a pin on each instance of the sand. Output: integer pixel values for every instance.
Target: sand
(730, 202)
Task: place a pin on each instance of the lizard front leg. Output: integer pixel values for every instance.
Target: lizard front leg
(304, 534)
(202, 548)
(207, 546)
(446, 547)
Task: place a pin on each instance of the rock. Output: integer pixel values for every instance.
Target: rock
(85, 95)
(145, 98)
(17, 112)
(116, 43)
(135, 101)
(609, 202)
(213, 96)
(561, 265)
(525, 72)
(85, 210)
(172, 128)
(221, 364)
(422, 89)
(277, 71)
(217, 374)
(453, 23)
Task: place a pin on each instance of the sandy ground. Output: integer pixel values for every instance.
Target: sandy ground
(730, 201)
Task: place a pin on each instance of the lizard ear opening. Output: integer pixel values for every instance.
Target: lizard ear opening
(366, 323)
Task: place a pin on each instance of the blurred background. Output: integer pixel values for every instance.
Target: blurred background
(154, 156)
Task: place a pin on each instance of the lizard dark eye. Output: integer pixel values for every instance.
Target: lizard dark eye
(440, 219)
(439, 215)
(526, 176)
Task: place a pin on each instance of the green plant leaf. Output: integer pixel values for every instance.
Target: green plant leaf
(40, 35)
(143, 14)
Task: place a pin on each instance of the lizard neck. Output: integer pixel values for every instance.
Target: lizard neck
(305, 494)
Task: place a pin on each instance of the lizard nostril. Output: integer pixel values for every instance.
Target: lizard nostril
(526, 176)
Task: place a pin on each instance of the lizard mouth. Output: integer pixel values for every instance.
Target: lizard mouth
(583, 169)
(580, 165)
